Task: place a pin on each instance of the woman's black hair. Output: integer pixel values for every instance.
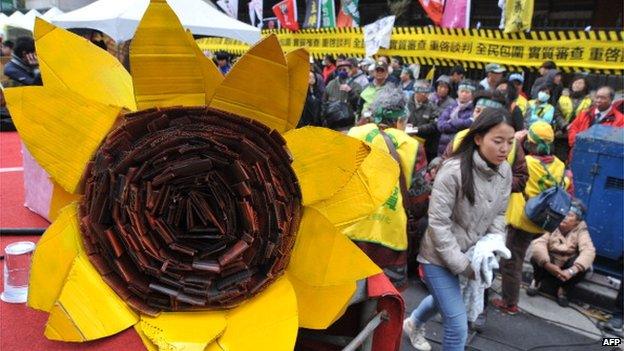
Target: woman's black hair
(490, 95)
(584, 79)
(548, 87)
(488, 119)
(512, 93)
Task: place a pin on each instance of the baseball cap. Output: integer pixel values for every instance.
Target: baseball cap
(381, 64)
(342, 63)
(353, 61)
(516, 76)
(494, 67)
(443, 79)
(422, 86)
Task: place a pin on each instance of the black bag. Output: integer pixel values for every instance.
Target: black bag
(338, 114)
(548, 209)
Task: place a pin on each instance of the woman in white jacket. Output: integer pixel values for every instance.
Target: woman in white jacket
(468, 201)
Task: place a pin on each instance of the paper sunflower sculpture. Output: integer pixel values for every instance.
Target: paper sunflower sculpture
(202, 218)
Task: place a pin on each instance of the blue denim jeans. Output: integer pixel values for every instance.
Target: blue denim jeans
(445, 298)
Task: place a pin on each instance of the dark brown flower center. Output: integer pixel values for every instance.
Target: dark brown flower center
(189, 208)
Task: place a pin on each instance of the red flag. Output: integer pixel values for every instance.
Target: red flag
(434, 9)
(286, 13)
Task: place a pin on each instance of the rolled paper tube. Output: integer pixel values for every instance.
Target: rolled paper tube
(211, 266)
(189, 209)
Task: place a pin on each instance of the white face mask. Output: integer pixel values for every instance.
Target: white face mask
(543, 96)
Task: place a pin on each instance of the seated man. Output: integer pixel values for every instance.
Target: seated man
(563, 256)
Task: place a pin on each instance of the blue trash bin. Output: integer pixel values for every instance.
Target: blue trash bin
(598, 168)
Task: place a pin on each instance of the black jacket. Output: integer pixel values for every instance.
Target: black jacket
(22, 73)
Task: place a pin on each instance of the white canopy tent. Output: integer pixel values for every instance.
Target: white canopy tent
(120, 18)
(15, 15)
(26, 21)
(51, 13)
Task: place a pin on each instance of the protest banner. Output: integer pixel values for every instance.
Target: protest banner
(313, 14)
(592, 51)
(378, 35)
(286, 13)
(328, 14)
(349, 15)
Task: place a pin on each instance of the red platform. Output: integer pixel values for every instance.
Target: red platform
(21, 328)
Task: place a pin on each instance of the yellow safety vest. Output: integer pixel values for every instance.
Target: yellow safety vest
(566, 106)
(522, 102)
(511, 158)
(387, 225)
(538, 181)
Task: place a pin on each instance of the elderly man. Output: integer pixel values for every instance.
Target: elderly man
(368, 95)
(423, 116)
(356, 73)
(494, 73)
(600, 113)
(343, 88)
(441, 98)
(564, 255)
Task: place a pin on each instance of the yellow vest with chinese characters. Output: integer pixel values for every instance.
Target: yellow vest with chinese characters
(387, 225)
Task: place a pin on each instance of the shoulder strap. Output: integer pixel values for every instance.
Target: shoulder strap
(395, 155)
(561, 183)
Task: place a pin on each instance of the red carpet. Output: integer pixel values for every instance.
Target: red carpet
(13, 214)
(21, 328)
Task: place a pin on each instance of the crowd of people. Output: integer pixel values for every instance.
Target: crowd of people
(471, 155)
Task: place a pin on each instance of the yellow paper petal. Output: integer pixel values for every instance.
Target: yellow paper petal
(298, 73)
(69, 61)
(146, 341)
(323, 256)
(87, 308)
(266, 322)
(188, 331)
(61, 129)
(60, 199)
(257, 86)
(53, 258)
(210, 72)
(320, 306)
(214, 347)
(165, 68)
(340, 176)
(365, 192)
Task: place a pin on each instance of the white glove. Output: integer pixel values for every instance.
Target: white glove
(484, 258)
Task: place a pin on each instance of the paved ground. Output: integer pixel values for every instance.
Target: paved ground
(568, 329)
